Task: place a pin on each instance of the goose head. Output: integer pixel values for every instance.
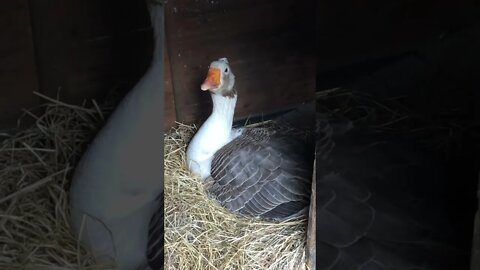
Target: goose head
(220, 79)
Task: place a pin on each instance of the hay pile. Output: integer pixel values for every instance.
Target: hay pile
(35, 166)
(200, 234)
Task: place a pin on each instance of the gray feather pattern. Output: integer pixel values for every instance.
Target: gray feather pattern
(263, 173)
(377, 206)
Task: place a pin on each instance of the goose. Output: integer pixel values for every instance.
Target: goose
(381, 203)
(256, 172)
(116, 194)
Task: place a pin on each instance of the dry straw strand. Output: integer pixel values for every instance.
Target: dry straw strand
(200, 234)
(35, 169)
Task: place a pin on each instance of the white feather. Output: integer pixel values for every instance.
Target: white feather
(213, 135)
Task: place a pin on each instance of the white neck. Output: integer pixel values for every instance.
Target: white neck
(223, 110)
(212, 135)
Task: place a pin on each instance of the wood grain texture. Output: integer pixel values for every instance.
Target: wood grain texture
(90, 48)
(77, 50)
(352, 31)
(312, 225)
(170, 114)
(269, 45)
(18, 77)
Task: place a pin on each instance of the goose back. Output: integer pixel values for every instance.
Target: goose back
(263, 173)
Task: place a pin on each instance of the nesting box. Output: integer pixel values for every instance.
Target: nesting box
(82, 50)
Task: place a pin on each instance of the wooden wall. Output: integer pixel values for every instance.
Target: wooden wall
(350, 31)
(90, 47)
(170, 113)
(269, 44)
(99, 49)
(18, 75)
(82, 49)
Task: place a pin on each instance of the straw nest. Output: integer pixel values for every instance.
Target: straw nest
(35, 167)
(200, 234)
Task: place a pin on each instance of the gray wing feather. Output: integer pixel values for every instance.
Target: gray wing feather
(263, 174)
(376, 205)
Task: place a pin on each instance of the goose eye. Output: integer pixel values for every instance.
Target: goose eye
(226, 70)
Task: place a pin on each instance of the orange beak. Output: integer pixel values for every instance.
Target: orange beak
(212, 81)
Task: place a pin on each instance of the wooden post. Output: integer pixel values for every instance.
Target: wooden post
(170, 113)
(312, 226)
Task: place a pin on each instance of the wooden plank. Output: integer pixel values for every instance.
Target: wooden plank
(51, 20)
(18, 77)
(312, 225)
(90, 48)
(170, 114)
(269, 45)
(111, 47)
(351, 31)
